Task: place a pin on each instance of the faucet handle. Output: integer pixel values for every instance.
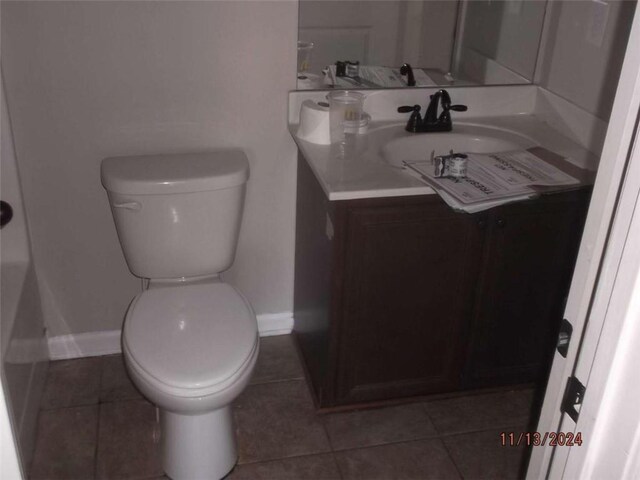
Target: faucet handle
(445, 117)
(408, 108)
(415, 120)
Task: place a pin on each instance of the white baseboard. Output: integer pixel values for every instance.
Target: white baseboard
(78, 345)
(93, 344)
(270, 324)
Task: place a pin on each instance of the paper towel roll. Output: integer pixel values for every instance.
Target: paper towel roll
(314, 123)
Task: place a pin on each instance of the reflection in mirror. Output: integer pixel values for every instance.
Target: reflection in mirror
(497, 42)
(363, 44)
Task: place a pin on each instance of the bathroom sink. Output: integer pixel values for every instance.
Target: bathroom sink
(465, 138)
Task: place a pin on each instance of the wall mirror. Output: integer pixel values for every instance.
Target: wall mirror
(364, 44)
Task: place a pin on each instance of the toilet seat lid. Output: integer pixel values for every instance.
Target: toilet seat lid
(192, 336)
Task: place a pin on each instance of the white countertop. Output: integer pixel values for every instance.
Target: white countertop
(359, 170)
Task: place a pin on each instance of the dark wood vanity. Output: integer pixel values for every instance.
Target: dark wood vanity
(401, 296)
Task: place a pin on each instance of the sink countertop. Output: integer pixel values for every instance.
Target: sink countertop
(357, 169)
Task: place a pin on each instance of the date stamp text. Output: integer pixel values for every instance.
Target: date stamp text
(540, 439)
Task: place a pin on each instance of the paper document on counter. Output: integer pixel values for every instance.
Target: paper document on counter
(493, 179)
(375, 76)
(522, 168)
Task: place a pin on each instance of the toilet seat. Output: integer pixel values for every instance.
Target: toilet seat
(190, 340)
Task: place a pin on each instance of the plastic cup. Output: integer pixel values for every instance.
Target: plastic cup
(304, 56)
(345, 108)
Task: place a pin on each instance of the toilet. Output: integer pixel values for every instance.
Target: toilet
(190, 340)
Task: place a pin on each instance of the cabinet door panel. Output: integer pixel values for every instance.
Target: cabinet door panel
(529, 258)
(409, 279)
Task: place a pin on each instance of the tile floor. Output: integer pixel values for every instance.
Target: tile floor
(94, 424)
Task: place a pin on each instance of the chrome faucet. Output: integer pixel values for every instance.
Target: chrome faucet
(432, 122)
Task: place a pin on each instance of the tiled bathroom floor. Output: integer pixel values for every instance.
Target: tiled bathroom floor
(94, 424)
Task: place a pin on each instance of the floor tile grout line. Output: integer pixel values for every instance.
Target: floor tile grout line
(399, 443)
(431, 419)
(421, 439)
(321, 421)
(65, 407)
(462, 434)
(440, 436)
(436, 434)
(277, 459)
(102, 368)
(335, 462)
(448, 434)
(395, 442)
(450, 455)
(59, 369)
(483, 430)
(402, 442)
(118, 400)
(83, 405)
(97, 447)
(280, 380)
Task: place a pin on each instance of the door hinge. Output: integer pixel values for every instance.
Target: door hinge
(573, 395)
(564, 337)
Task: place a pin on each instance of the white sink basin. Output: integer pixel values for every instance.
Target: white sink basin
(465, 138)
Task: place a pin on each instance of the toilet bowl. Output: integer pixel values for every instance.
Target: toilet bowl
(199, 358)
(190, 341)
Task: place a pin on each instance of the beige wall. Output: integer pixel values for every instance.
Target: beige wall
(578, 70)
(86, 80)
(14, 246)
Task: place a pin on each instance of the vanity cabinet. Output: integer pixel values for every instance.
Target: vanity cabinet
(402, 296)
(406, 291)
(529, 254)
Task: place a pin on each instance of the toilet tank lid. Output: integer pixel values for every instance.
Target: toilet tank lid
(175, 173)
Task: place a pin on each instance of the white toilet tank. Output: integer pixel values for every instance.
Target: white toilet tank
(177, 215)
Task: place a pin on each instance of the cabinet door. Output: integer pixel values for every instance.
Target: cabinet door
(529, 256)
(408, 286)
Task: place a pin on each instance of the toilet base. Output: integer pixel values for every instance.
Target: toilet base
(198, 447)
